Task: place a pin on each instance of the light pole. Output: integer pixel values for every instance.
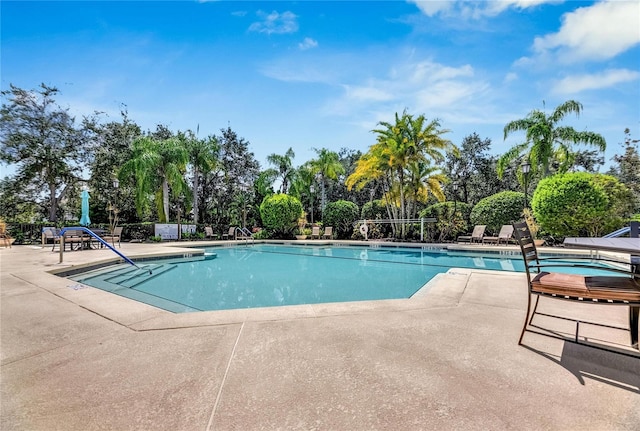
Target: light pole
(113, 208)
(180, 200)
(455, 200)
(526, 167)
(312, 189)
(243, 194)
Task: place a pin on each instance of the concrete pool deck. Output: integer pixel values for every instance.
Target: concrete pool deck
(75, 358)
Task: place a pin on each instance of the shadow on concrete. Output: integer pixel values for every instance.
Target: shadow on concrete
(619, 369)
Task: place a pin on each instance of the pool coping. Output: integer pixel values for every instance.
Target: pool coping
(444, 290)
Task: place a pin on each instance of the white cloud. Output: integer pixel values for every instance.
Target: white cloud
(423, 86)
(431, 7)
(307, 43)
(597, 32)
(367, 93)
(274, 22)
(474, 9)
(510, 77)
(608, 78)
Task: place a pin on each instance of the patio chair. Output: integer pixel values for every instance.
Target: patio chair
(315, 232)
(75, 239)
(505, 234)
(476, 235)
(208, 233)
(328, 232)
(5, 238)
(114, 236)
(623, 289)
(231, 234)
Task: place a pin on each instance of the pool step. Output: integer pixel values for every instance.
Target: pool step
(136, 276)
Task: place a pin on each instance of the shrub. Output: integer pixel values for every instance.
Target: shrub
(579, 204)
(280, 214)
(341, 215)
(447, 227)
(374, 210)
(497, 210)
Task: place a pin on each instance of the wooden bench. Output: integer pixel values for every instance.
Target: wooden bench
(620, 288)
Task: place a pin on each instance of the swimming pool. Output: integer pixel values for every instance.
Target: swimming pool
(267, 275)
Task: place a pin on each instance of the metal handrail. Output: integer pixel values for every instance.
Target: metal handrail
(100, 240)
(245, 233)
(619, 232)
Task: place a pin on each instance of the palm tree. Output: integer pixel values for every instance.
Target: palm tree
(410, 142)
(546, 140)
(284, 165)
(157, 166)
(202, 158)
(327, 166)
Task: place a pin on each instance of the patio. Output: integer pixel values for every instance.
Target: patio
(77, 358)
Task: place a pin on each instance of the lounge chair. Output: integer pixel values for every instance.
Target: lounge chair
(476, 235)
(315, 232)
(328, 232)
(623, 289)
(50, 235)
(231, 234)
(208, 233)
(505, 234)
(114, 236)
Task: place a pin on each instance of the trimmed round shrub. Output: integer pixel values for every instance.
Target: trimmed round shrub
(280, 214)
(577, 204)
(447, 227)
(497, 210)
(341, 215)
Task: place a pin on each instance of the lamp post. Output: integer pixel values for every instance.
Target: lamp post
(312, 189)
(113, 208)
(180, 200)
(455, 199)
(526, 167)
(243, 195)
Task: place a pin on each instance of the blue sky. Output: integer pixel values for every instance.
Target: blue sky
(320, 74)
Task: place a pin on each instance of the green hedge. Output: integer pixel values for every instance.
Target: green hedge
(497, 210)
(341, 215)
(280, 214)
(581, 204)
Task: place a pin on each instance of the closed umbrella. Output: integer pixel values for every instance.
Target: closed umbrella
(84, 220)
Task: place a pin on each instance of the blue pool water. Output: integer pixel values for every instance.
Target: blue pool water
(266, 275)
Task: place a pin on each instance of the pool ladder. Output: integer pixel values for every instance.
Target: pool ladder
(242, 233)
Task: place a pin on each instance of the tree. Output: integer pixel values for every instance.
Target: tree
(284, 166)
(280, 214)
(328, 166)
(408, 149)
(236, 170)
(158, 167)
(475, 171)
(627, 167)
(546, 140)
(113, 149)
(202, 159)
(580, 204)
(499, 209)
(301, 185)
(42, 140)
(341, 215)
